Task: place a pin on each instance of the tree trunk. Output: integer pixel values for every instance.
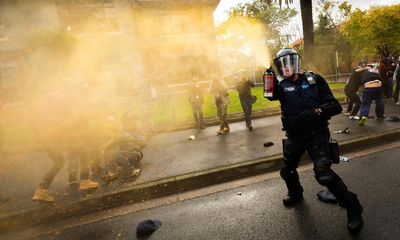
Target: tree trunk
(308, 29)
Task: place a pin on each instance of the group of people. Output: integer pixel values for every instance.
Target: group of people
(219, 89)
(93, 147)
(374, 84)
(307, 104)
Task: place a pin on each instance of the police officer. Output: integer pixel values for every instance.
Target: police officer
(307, 104)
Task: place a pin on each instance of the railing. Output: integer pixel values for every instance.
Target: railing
(170, 110)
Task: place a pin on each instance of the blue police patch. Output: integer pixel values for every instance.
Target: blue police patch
(305, 86)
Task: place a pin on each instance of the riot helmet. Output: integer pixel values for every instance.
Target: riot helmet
(287, 62)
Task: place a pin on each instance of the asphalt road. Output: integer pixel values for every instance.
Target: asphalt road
(256, 211)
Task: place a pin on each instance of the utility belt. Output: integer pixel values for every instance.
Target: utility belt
(292, 129)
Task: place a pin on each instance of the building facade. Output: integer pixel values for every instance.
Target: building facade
(114, 40)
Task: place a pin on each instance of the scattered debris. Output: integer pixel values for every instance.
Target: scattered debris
(326, 196)
(344, 159)
(354, 118)
(147, 227)
(268, 144)
(191, 137)
(393, 119)
(346, 130)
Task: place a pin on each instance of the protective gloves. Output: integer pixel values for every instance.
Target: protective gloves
(308, 117)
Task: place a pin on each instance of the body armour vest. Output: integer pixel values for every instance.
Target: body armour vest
(297, 97)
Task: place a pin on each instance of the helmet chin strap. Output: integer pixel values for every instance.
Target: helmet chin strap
(293, 78)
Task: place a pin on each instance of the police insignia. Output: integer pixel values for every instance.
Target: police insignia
(290, 89)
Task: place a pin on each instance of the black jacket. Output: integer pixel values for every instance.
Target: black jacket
(306, 104)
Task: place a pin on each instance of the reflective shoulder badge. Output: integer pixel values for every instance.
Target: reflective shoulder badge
(310, 78)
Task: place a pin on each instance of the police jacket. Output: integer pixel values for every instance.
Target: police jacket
(306, 104)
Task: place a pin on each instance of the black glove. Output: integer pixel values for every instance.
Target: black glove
(308, 117)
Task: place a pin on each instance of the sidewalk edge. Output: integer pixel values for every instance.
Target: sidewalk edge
(141, 192)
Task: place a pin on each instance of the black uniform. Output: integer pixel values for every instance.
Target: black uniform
(307, 104)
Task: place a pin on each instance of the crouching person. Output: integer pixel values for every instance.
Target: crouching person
(123, 154)
(123, 157)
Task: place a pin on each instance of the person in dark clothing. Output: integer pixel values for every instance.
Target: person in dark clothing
(372, 91)
(396, 79)
(307, 104)
(351, 89)
(385, 73)
(196, 99)
(122, 156)
(219, 89)
(246, 99)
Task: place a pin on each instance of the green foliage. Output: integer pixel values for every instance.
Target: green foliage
(329, 39)
(372, 29)
(272, 17)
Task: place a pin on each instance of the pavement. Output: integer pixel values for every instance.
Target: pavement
(255, 211)
(171, 164)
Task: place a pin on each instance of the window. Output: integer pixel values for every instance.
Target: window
(173, 23)
(91, 17)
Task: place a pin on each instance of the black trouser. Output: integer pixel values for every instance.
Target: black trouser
(198, 114)
(222, 112)
(317, 146)
(247, 103)
(57, 157)
(79, 159)
(353, 99)
(387, 86)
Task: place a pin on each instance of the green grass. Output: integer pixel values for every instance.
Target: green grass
(177, 108)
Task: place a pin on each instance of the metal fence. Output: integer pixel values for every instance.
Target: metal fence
(170, 110)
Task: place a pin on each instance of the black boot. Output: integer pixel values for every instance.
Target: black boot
(291, 199)
(354, 210)
(295, 190)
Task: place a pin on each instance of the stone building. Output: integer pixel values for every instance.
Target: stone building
(161, 41)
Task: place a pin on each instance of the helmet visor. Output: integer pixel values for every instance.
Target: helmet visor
(288, 65)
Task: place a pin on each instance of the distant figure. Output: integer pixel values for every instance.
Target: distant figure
(385, 74)
(196, 100)
(396, 79)
(147, 96)
(219, 89)
(124, 153)
(370, 79)
(65, 143)
(246, 99)
(351, 88)
(64, 124)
